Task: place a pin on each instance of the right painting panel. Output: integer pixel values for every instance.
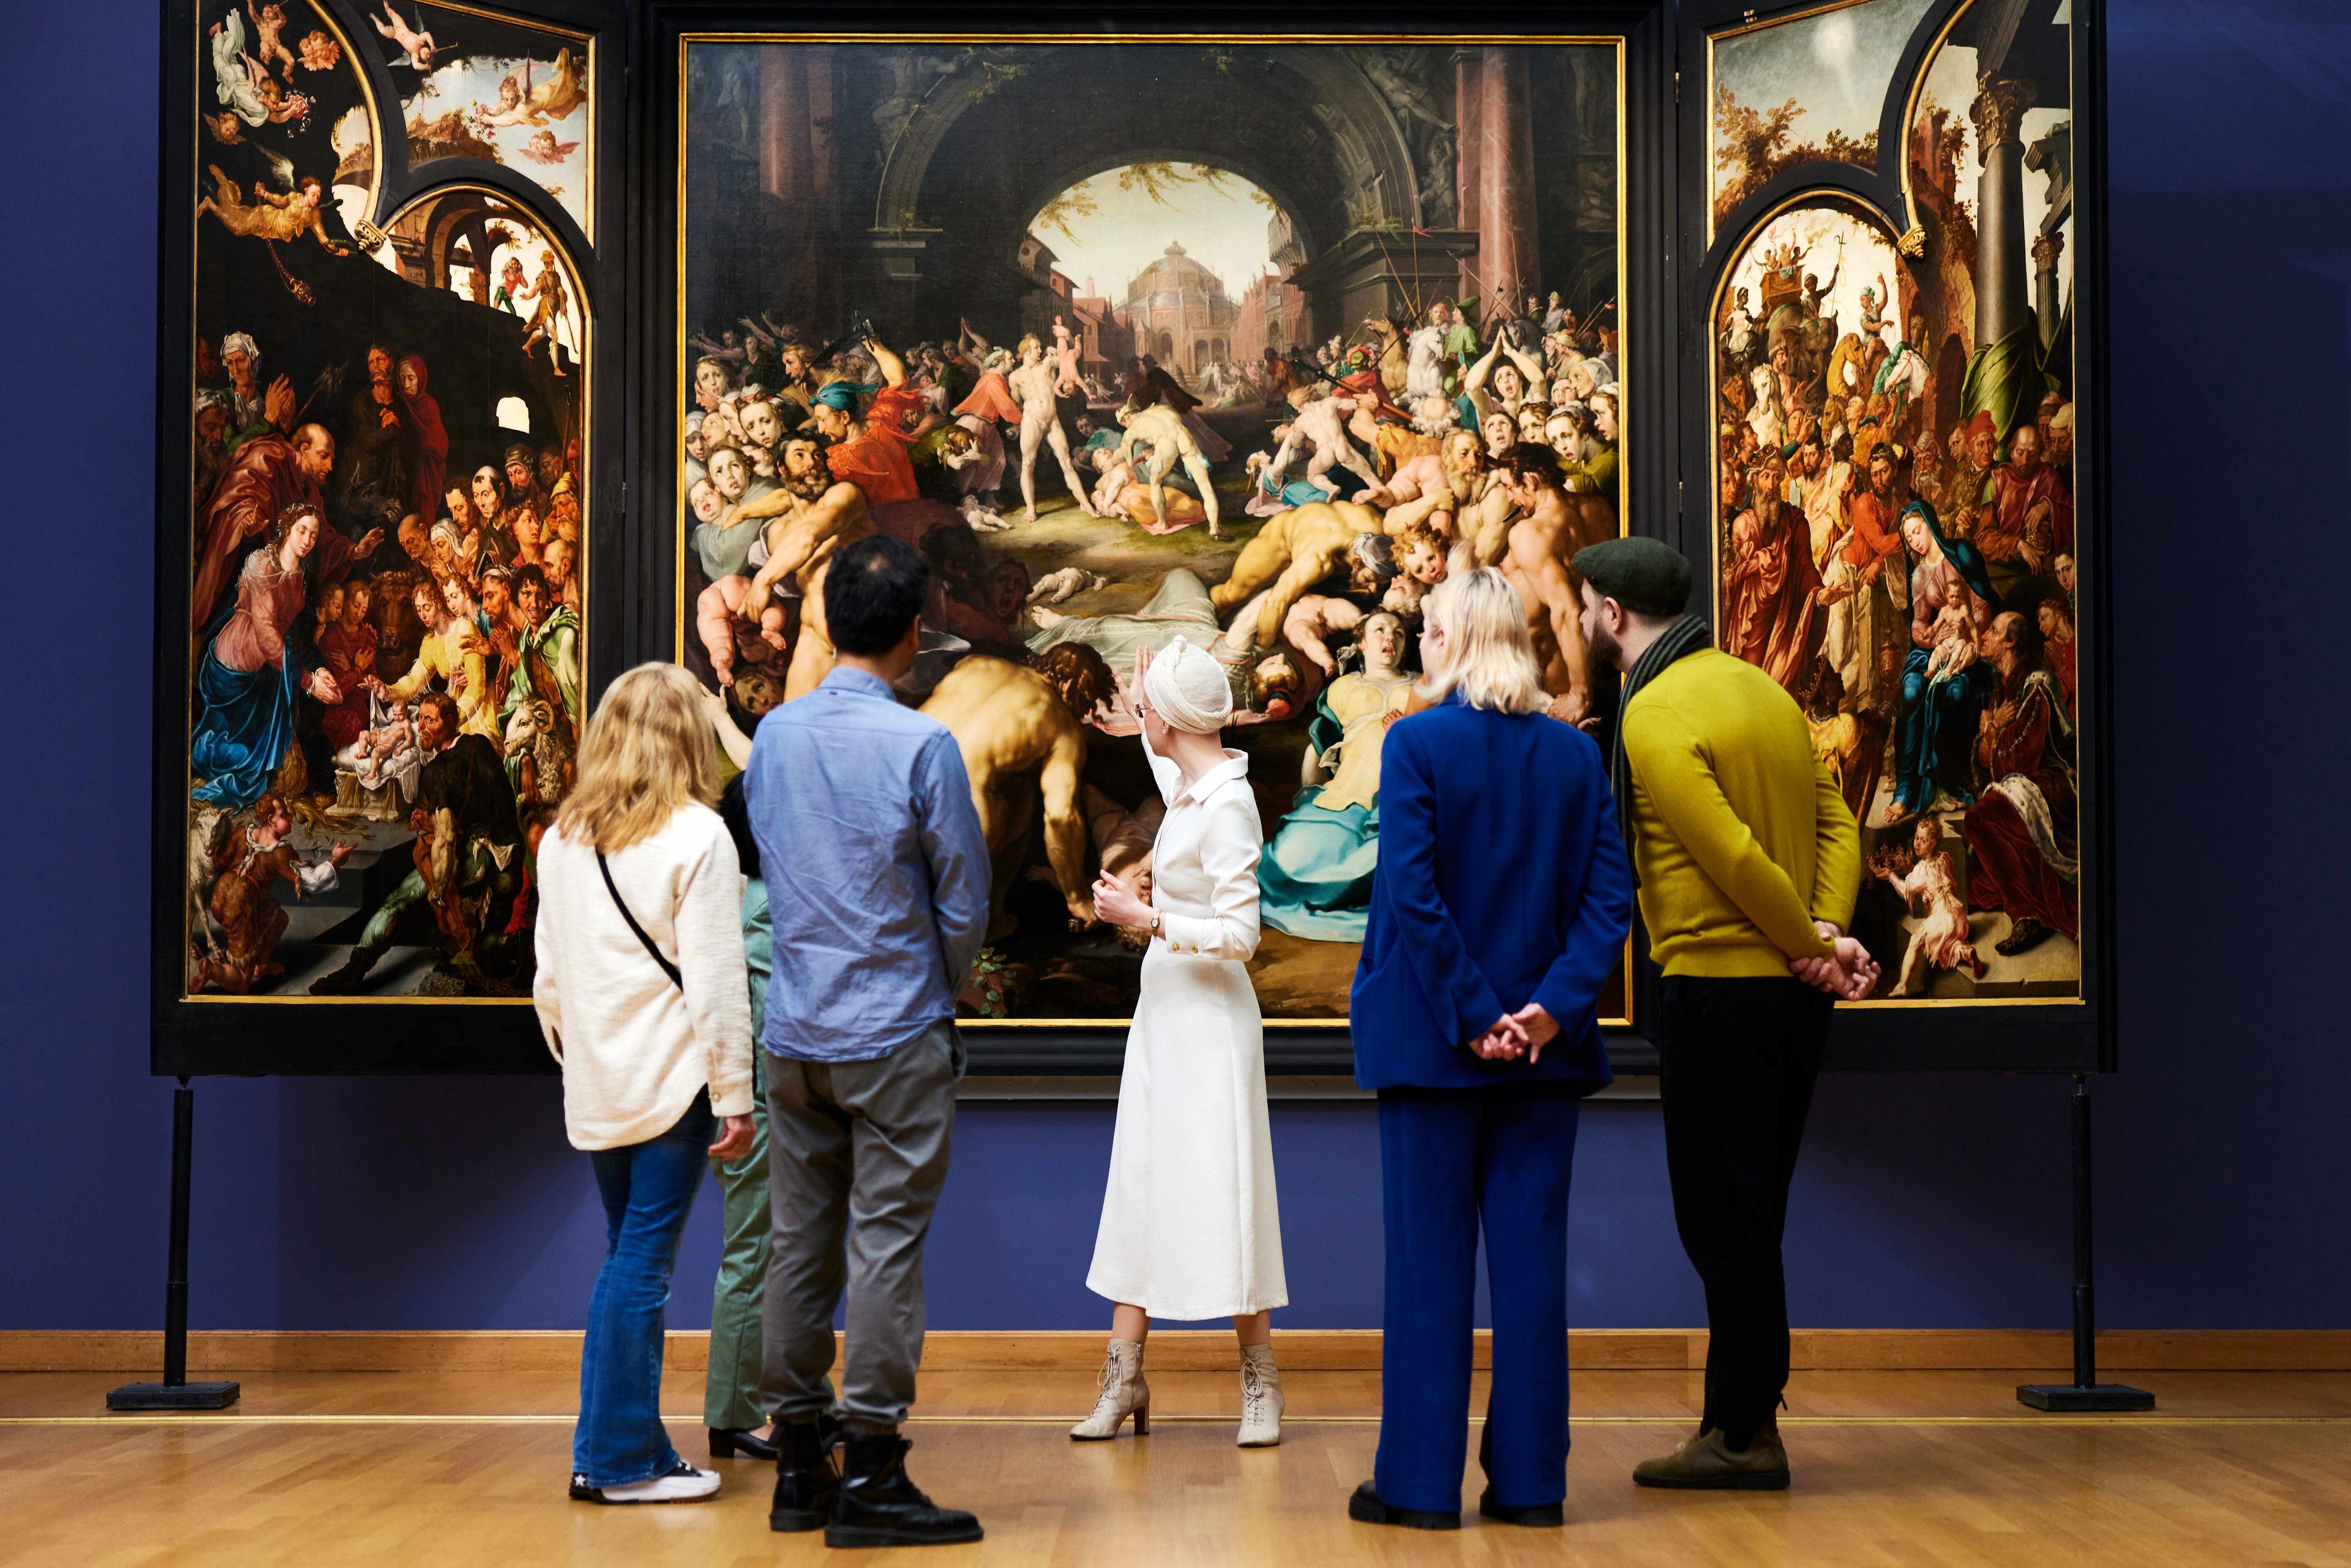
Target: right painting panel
(1895, 511)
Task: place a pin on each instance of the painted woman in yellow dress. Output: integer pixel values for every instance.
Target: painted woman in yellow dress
(452, 651)
(1316, 876)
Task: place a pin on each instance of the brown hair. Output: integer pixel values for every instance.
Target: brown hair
(1078, 674)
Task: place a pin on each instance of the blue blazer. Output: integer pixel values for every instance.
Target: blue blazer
(1501, 881)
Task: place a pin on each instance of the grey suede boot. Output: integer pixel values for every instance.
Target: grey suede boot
(1123, 1392)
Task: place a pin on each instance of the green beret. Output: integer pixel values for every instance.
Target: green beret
(1647, 577)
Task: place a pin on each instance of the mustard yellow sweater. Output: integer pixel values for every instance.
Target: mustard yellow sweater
(1741, 839)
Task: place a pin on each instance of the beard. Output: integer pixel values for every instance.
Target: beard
(808, 486)
(1604, 649)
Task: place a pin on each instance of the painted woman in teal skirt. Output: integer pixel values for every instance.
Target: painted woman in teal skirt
(1315, 881)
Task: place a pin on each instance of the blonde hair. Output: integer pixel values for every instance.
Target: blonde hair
(1490, 655)
(648, 751)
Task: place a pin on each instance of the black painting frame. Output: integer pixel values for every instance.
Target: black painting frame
(262, 1035)
(1089, 1049)
(2022, 1035)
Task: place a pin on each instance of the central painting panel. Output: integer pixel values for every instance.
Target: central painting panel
(1249, 342)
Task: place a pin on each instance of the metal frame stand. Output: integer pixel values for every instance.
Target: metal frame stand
(175, 1392)
(2085, 1392)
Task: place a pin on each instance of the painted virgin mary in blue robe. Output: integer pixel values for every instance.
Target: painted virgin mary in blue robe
(1939, 717)
(252, 671)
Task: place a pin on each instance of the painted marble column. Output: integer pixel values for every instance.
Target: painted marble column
(1469, 186)
(2048, 288)
(1508, 259)
(2001, 303)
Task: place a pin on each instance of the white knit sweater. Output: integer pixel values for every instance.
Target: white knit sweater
(634, 1050)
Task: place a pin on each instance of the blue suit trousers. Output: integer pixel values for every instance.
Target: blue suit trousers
(1450, 1160)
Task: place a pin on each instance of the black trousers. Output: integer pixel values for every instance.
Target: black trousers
(1736, 1062)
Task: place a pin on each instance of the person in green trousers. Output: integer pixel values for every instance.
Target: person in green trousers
(730, 1398)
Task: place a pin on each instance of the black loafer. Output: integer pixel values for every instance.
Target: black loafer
(727, 1442)
(1365, 1508)
(1540, 1516)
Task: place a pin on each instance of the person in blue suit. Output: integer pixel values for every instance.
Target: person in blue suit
(1498, 909)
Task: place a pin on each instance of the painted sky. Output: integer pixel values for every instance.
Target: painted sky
(1224, 229)
(475, 80)
(1836, 245)
(1837, 65)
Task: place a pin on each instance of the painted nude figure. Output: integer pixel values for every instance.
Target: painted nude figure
(384, 742)
(1941, 940)
(1021, 732)
(1298, 549)
(1171, 441)
(414, 42)
(1033, 388)
(269, 22)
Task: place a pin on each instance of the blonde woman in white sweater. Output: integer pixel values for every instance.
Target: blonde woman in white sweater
(643, 998)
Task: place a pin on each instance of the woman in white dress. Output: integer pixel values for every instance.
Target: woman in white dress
(1189, 1228)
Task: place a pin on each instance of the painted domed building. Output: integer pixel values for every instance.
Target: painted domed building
(1179, 313)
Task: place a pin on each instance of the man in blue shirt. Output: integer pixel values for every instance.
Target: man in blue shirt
(877, 878)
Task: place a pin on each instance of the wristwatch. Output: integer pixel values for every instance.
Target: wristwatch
(1154, 923)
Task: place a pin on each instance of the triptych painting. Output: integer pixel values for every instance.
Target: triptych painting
(1249, 339)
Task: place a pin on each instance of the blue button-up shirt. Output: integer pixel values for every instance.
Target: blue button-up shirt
(876, 869)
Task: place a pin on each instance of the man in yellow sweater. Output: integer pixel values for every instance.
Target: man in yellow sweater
(1747, 863)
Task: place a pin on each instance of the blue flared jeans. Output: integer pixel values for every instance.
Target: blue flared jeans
(648, 1190)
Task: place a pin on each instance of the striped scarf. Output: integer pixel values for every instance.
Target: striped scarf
(1684, 637)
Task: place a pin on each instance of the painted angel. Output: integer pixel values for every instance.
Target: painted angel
(244, 84)
(414, 42)
(268, 48)
(270, 216)
(521, 103)
(544, 148)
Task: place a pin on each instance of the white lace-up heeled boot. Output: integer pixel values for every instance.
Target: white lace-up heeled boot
(1124, 1392)
(1261, 1397)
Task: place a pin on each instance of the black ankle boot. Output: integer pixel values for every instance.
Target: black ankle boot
(806, 1483)
(878, 1505)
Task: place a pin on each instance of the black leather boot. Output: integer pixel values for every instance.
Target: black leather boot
(806, 1483)
(878, 1505)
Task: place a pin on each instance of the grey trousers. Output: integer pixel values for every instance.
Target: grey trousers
(857, 1152)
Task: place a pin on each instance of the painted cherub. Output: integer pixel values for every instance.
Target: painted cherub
(268, 23)
(1955, 643)
(320, 52)
(543, 147)
(1941, 940)
(385, 743)
(414, 42)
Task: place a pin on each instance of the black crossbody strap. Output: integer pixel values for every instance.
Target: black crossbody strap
(622, 905)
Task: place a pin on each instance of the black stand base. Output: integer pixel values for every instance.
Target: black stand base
(172, 1397)
(2086, 1392)
(2076, 1396)
(175, 1392)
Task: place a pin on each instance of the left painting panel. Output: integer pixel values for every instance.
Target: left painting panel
(386, 513)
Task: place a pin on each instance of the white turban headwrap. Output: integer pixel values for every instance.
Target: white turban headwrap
(1187, 687)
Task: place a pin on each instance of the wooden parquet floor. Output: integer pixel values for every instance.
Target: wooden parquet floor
(1920, 1469)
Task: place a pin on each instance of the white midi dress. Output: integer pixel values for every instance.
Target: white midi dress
(1189, 1225)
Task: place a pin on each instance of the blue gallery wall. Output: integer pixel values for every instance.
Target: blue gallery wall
(1925, 1201)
